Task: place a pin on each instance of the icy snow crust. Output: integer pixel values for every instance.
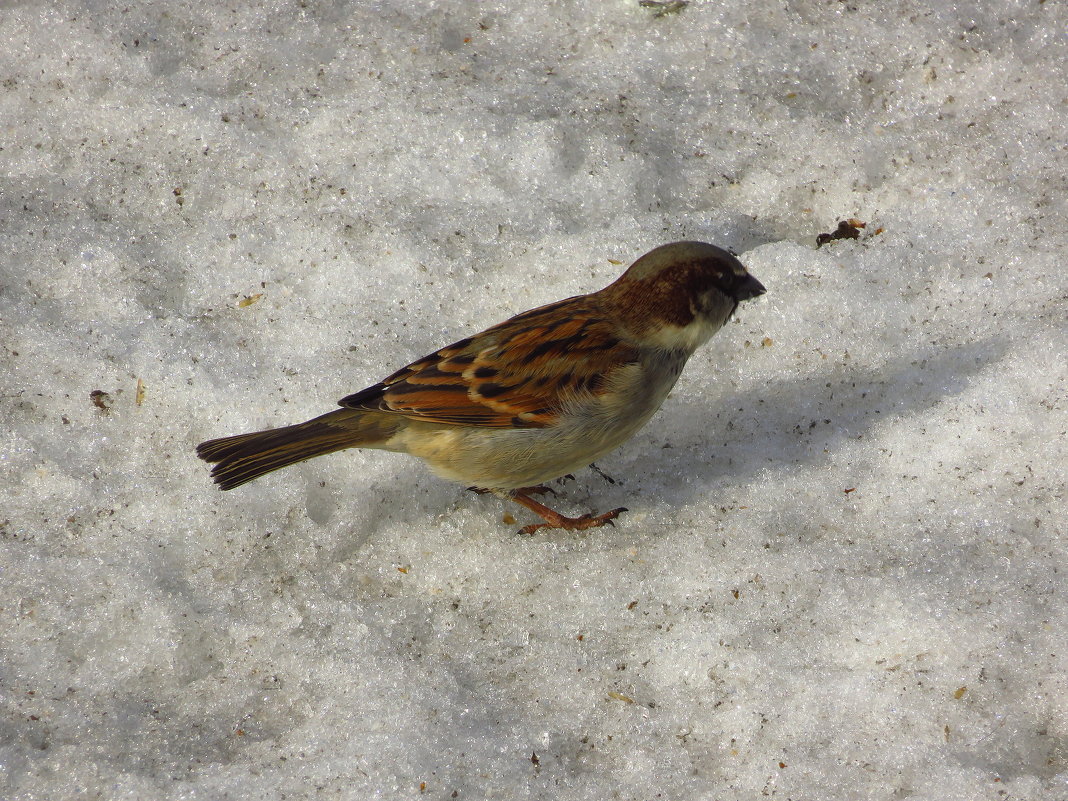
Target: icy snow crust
(843, 571)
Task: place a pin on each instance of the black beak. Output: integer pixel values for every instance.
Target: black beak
(748, 289)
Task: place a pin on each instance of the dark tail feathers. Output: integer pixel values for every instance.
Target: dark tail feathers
(242, 458)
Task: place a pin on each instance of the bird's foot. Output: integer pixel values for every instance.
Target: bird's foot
(554, 519)
(575, 523)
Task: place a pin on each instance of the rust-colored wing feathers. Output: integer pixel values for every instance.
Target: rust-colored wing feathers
(519, 373)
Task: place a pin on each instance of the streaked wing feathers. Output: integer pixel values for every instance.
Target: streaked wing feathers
(517, 374)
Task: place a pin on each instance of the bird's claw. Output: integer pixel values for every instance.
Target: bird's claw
(576, 523)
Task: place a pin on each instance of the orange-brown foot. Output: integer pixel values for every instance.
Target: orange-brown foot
(554, 519)
(574, 523)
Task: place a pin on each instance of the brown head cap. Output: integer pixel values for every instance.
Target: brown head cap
(669, 283)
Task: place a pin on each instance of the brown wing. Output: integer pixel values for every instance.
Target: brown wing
(516, 374)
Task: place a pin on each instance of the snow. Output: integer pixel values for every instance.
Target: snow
(842, 572)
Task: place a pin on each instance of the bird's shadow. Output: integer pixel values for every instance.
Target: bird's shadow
(805, 420)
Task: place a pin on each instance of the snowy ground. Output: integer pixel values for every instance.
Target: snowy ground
(843, 572)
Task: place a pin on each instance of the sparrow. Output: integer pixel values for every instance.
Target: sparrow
(531, 399)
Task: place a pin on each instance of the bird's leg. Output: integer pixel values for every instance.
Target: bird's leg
(554, 519)
(602, 474)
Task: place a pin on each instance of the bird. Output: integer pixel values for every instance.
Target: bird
(531, 399)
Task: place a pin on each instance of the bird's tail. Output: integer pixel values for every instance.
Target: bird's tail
(241, 458)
